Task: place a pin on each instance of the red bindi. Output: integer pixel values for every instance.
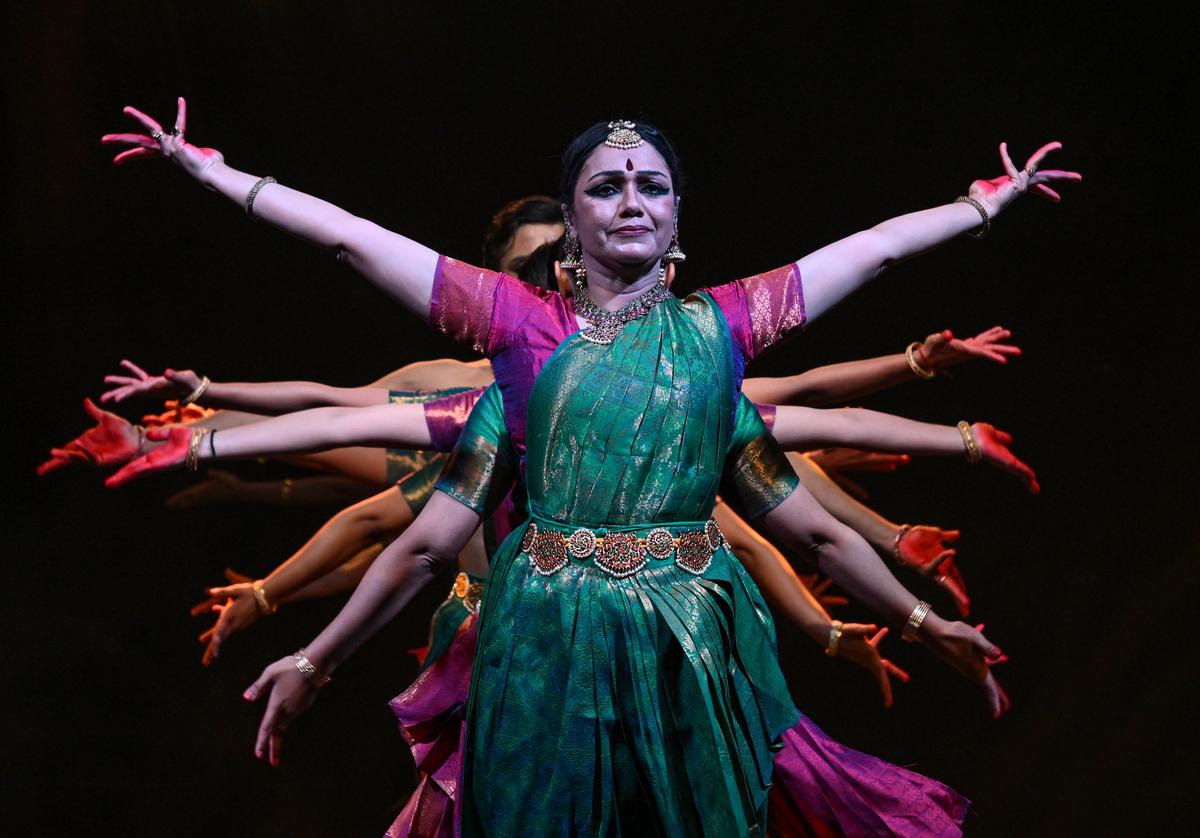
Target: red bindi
(628, 165)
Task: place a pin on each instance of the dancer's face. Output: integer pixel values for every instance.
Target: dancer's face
(624, 206)
(527, 238)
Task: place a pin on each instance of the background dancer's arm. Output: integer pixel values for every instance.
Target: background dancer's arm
(835, 384)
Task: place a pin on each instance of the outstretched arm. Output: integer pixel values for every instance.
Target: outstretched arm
(320, 429)
(786, 593)
(802, 428)
(407, 565)
(924, 548)
(800, 523)
(839, 269)
(399, 266)
(836, 384)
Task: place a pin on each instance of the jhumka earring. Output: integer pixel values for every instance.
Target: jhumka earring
(674, 254)
(572, 252)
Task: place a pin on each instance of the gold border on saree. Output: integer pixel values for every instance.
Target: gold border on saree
(622, 554)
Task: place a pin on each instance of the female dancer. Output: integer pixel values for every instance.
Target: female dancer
(629, 689)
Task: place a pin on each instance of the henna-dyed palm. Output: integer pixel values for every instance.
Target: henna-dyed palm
(176, 414)
(170, 454)
(999, 192)
(819, 588)
(927, 550)
(942, 350)
(994, 446)
(111, 442)
(859, 644)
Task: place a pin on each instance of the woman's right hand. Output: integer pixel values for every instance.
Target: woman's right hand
(942, 350)
(969, 652)
(171, 453)
(289, 694)
(927, 550)
(171, 384)
(197, 162)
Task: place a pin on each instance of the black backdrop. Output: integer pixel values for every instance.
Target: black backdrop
(795, 131)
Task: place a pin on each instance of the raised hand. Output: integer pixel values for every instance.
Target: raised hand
(235, 607)
(973, 655)
(159, 143)
(111, 442)
(170, 454)
(927, 550)
(999, 192)
(859, 644)
(289, 694)
(942, 350)
(994, 447)
(140, 383)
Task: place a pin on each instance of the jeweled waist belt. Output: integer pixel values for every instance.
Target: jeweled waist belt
(468, 590)
(623, 552)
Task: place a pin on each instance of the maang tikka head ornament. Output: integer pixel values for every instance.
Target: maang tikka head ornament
(622, 135)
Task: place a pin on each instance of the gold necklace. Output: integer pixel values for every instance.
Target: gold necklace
(606, 325)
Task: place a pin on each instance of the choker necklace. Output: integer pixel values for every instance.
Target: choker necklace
(606, 325)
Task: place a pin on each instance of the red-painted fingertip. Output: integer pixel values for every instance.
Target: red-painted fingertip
(249, 696)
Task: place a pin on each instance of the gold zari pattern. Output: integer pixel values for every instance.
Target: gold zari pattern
(470, 593)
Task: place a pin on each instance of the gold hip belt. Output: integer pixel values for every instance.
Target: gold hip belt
(622, 553)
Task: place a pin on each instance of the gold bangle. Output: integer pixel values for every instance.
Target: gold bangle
(310, 672)
(914, 365)
(835, 636)
(141, 432)
(192, 461)
(262, 181)
(985, 226)
(909, 632)
(974, 455)
(260, 596)
(900, 533)
(200, 390)
(285, 491)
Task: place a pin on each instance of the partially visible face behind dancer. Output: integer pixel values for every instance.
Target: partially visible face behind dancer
(517, 230)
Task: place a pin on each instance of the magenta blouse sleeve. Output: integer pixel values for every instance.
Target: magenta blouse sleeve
(447, 416)
(480, 307)
(761, 310)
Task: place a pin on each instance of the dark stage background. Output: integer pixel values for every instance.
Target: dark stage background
(796, 131)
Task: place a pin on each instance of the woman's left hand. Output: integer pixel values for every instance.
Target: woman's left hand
(111, 442)
(972, 654)
(999, 192)
(289, 694)
(859, 644)
(994, 448)
(170, 454)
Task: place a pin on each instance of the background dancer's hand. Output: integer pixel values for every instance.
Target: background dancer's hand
(943, 350)
(111, 442)
(969, 652)
(235, 607)
(197, 162)
(859, 644)
(927, 550)
(289, 694)
(994, 446)
(170, 453)
(853, 459)
(999, 192)
(138, 382)
(819, 588)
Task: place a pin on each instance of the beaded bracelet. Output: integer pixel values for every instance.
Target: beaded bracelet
(985, 226)
(262, 181)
